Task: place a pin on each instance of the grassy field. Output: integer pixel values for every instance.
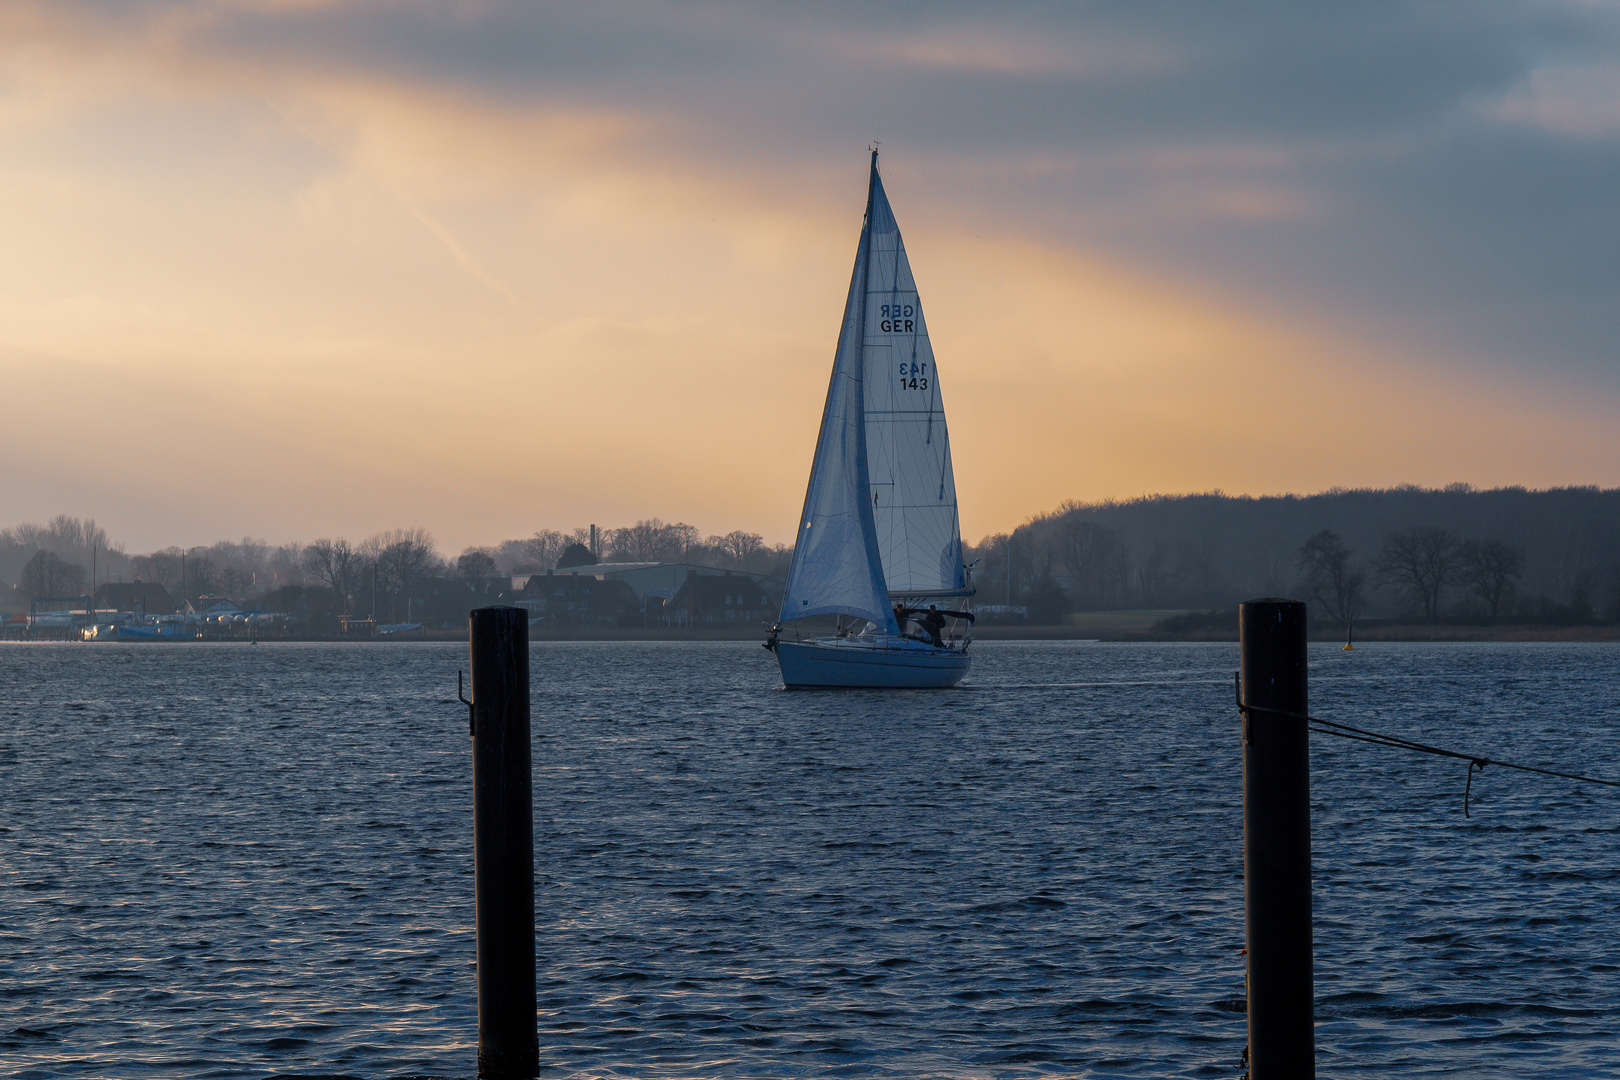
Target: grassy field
(1111, 623)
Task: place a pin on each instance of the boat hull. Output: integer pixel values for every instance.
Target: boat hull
(899, 664)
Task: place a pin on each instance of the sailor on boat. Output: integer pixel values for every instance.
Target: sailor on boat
(931, 621)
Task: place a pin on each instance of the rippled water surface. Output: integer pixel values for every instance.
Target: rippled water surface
(229, 860)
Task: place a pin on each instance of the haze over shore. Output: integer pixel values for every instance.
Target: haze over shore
(1506, 554)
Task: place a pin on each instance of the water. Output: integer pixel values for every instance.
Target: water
(238, 861)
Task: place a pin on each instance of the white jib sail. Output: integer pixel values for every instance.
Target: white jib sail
(837, 569)
(913, 489)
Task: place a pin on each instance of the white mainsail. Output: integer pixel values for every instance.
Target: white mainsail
(837, 569)
(908, 449)
(880, 516)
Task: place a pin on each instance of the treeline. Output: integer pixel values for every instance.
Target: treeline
(57, 558)
(397, 573)
(1405, 552)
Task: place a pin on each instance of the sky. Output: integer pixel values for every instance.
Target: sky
(300, 268)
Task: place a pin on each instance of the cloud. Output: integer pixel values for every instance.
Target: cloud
(609, 242)
(1160, 133)
(1581, 100)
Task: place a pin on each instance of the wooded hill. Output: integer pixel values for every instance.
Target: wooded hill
(1455, 552)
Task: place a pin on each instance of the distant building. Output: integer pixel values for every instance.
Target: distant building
(653, 583)
(719, 599)
(211, 605)
(577, 599)
(357, 626)
(143, 597)
(492, 589)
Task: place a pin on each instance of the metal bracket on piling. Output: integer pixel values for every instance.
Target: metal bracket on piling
(472, 723)
(1243, 710)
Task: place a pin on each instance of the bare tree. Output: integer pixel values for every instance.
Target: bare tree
(1420, 563)
(1119, 569)
(545, 547)
(1021, 554)
(737, 546)
(199, 578)
(1568, 565)
(1196, 558)
(1491, 570)
(1150, 574)
(1086, 550)
(777, 559)
(402, 555)
(71, 539)
(1328, 576)
(640, 542)
(1611, 594)
(511, 557)
(475, 563)
(285, 565)
(1270, 556)
(233, 580)
(247, 553)
(162, 567)
(47, 575)
(337, 564)
(651, 541)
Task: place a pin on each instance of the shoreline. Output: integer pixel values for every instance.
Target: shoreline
(1412, 632)
(1417, 632)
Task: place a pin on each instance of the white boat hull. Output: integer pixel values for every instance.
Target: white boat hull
(891, 663)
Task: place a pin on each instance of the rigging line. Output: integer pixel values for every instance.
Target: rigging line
(1478, 761)
(1473, 765)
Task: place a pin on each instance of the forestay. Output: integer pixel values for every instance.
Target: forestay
(913, 489)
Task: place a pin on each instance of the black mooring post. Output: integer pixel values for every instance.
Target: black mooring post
(1277, 840)
(503, 843)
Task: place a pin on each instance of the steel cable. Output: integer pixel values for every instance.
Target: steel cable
(1476, 762)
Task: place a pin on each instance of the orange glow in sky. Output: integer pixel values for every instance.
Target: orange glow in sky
(245, 293)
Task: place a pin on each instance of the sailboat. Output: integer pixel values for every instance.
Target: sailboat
(879, 544)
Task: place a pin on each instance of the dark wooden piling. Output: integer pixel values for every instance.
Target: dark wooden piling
(503, 843)
(1277, 840)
